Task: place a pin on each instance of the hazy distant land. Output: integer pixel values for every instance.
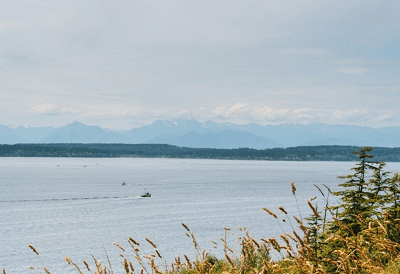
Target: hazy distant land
(303, 153)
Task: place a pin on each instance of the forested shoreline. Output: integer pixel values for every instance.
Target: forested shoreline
(301, 153)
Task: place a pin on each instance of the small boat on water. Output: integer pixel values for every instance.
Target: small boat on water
(123, 183)
(146, 194)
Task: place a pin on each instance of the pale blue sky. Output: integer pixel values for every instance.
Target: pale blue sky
(122, 64)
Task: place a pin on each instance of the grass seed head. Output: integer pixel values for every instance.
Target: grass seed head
(119, 246)
(313, 209)
(282, 209)
(186, 227)
(150, 242)
(87, 265)
(33, 249)
(283, 237)
(126, 266)
(270, 212)
(229, 260)
(293, 188)
(298, 220)
(133, 241)
(187, 259)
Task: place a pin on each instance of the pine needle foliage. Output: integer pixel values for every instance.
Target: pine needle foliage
(356, 197)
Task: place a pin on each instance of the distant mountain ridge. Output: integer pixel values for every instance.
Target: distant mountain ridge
(227, 139)
(192, 133)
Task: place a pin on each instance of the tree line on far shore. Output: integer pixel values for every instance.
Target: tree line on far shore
(301, 153)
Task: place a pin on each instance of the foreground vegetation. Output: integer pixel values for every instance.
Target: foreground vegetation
(359, 234)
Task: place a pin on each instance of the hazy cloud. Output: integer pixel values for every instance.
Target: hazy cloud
(241, 113)
(382, 118)
(48, 109)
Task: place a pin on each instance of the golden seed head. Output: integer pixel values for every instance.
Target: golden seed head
(313, 209)
(150, 242)
(87, 265)
(119, 246)
(186, 227)
(126, 265)
(133, 241)
(293, 188)
(270, 212)
(229, 260)
(255, 242)
(298, 220)
(282, 209)
(285, 239)
(291, 237)
(186, 258)
(33, 249)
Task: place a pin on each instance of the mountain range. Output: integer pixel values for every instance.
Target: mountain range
(192, 133)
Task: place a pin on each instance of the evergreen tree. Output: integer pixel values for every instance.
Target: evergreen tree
(369, 197)
(392, 208)
(315, 224)
(379, 186)
(356, 195)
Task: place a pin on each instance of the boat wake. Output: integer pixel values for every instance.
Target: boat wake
(70, 199)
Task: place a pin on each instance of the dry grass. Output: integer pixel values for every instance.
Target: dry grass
(368, 252)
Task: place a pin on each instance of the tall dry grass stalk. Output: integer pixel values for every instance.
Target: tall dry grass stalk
(297, 202)
(40, 259)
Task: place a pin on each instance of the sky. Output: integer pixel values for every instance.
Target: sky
(126, 63)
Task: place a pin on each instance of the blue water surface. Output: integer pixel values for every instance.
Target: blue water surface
(76, 207)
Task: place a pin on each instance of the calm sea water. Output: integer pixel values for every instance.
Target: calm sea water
(77, 207)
